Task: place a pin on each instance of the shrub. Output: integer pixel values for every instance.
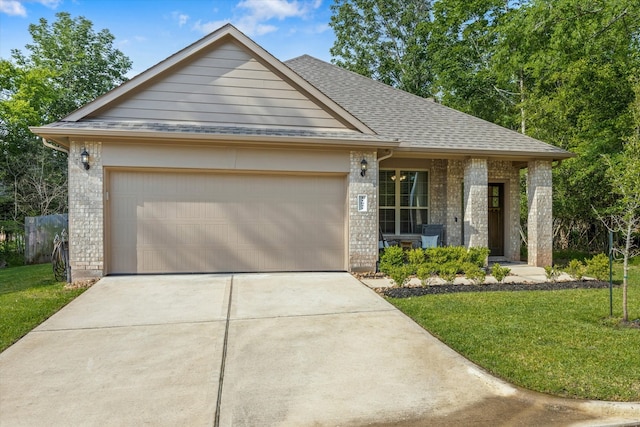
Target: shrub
(400, 275)
(575, 269)
(551, 272)
(499, 272)
(478, 256)
(448, 272)
(443, 255)
(427, 272)
(474, 273)
(415, 258)
(598, 267)
(392, 256)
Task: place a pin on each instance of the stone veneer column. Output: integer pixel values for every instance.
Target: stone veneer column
(363, 226)
(455, 217)
(540, 219)
(476, 210)
(86, 230)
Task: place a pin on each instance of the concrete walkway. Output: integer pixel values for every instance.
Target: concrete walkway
(257, 350)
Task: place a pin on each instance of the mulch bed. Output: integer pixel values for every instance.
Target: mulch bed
(407, 292)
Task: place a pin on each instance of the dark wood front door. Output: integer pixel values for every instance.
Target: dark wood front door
(496, 219)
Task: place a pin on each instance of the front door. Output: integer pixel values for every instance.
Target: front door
(496, 219)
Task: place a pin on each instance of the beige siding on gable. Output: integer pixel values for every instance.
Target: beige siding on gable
(224, 87)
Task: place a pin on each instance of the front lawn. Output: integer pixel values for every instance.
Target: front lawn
(28, 296)
(558, 342)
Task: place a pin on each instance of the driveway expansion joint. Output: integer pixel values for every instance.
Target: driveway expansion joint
(216, 422)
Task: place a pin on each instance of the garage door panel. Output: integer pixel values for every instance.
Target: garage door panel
(163, 222)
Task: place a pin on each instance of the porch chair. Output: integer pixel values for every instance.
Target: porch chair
(432, 235)
(382, 242)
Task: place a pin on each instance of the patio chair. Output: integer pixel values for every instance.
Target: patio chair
(432, 235)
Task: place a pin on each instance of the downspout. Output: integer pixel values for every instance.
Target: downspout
(384, 157)
(54, 147)
(390, 153)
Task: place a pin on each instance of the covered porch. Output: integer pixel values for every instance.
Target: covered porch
(476, 200)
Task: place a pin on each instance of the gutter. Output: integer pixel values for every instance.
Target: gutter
(54, 147)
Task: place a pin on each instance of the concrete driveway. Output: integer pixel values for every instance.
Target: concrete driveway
(257, 350)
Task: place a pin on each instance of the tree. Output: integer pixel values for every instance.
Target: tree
(557, 70)
(387, 40)
(67, 65)
(624, 216)
(85, 63)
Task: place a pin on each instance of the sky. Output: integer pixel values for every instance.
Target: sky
(148, 31)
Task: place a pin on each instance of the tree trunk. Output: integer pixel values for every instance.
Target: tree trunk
(625, 273)
(523, 127)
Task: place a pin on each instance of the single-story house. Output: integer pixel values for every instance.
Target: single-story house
(222, 158)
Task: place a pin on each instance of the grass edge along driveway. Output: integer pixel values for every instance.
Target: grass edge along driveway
(556, 342)
(28, 296)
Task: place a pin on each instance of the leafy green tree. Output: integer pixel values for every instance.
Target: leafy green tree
(557, 70)
(575, 58)
(624, 216)
(66, 66)
(387, 40)
(85, 63)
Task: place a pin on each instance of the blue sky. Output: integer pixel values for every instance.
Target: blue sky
(148, 31)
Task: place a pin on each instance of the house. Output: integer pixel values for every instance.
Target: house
(221, 158)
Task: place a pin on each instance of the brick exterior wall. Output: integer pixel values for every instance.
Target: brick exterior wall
(476, 221)
(86, 217)
(438, 192)
(504, 172)
(363, 226)
(540, 219)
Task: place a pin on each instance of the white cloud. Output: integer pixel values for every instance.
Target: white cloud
(208, 27)
(180, 17)
(264, 10)
(252, 16)
(12, 8)
(17, 8)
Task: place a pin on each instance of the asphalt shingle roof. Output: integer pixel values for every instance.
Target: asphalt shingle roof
(418, 123)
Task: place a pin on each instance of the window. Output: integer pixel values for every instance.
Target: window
(404, 201)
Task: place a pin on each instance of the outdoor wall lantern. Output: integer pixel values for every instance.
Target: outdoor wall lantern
(363, 167)
(84, 157)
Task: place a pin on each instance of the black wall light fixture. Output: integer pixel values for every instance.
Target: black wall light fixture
(84, 157)
(363, 167)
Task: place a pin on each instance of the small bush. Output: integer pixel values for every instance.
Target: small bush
(478, 256)
(400, 275)
(499, 272)
(448, 272)
(551, 272)
(426, 273)
(474, 273)
(443, 255)
(392, 256)
(416, 258)
(576, 269)
(598, 267)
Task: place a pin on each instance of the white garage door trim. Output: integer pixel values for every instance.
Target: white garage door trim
(163, 221)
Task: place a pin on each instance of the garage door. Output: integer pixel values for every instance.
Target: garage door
(164, 222)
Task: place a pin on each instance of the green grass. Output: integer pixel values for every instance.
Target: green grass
(558, 342)
(28, 296)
